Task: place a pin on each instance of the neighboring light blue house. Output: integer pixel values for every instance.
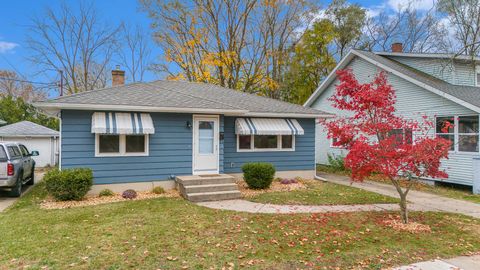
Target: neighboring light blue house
(435, 85)
(146, 133)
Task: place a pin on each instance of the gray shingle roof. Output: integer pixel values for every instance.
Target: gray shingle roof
(26, 128)
(180, 94)
(469, 94)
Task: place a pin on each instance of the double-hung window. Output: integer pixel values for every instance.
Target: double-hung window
(121, 145)
(461, 131)
(265, 143)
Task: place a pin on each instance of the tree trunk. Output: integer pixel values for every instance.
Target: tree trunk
(403, 208)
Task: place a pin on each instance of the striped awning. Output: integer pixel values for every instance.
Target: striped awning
(267, 126)
(122, 123)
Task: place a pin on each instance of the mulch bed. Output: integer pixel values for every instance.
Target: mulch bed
(275, 187)
(411, 227)
(50, 203)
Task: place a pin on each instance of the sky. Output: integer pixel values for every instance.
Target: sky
(16, 15)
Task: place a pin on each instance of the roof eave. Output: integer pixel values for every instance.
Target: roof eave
(54, 108)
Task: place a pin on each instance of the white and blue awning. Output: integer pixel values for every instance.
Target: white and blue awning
(122, 123)
(267, 126)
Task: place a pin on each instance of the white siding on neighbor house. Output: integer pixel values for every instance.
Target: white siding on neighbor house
(46, 146)
(458, 72)
(412, 102)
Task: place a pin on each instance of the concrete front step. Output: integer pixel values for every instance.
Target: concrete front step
(192, 180)
(200, 188)
(214, 196)
(210, 188)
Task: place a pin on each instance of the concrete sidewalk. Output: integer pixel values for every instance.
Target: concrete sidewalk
(420, 200)
(253, 207)
(457, 263)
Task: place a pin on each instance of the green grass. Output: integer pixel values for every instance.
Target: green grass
(323, 193)
(443, 189)
(171, 233)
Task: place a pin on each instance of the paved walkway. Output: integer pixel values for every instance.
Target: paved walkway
(420, 200)
(462, 262)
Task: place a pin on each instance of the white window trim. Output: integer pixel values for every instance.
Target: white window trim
(278, 149)
(456, 134)
(122, 152)
(477, 72)
(335, 147)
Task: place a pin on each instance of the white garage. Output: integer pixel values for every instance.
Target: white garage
(34, 137)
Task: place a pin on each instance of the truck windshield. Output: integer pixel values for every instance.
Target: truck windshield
(3, 155)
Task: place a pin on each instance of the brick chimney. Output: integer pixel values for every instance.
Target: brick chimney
(118, 76)
(397, 47)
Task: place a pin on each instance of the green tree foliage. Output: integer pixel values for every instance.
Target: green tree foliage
(311, 61)
(348, 20)
(13, 110)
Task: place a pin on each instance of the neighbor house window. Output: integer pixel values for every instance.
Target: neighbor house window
(265, 143)
(462, 131)
(401, 135)
(468, 133)
(121, 145)
(333, 142)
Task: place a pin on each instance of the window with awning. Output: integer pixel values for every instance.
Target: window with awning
(121, 134)
(267, 126)
(122, 123)
(266, 134)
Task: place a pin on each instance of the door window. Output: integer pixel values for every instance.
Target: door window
(24, 150)
(206, 136)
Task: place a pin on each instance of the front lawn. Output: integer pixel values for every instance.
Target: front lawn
(322, 193)
(443, 189)
(171, 233)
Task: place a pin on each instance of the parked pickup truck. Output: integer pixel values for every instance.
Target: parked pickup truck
(17, 167)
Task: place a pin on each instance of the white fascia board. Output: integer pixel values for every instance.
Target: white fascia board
(330, 78)
(423, 85)
(289, 115)
(431, 55)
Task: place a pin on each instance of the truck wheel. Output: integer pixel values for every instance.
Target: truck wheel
(31, 180)
(17, 189)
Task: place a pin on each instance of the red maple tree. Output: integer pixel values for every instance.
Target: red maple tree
(380, 141)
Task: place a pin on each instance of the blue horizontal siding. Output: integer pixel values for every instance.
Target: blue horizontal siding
(170, 150)
(303, 158)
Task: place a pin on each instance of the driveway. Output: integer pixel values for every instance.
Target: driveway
(426, 201)
(6, 201)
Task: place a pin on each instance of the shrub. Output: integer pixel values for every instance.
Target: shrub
(129, 194)
(258, 175)
(106, 193)
(336, 163)
(158, 190)
(68, 184)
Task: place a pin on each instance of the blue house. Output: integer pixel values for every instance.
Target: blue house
(442, 87)
(145, 134)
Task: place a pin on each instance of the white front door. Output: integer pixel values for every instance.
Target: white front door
(205, 144)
